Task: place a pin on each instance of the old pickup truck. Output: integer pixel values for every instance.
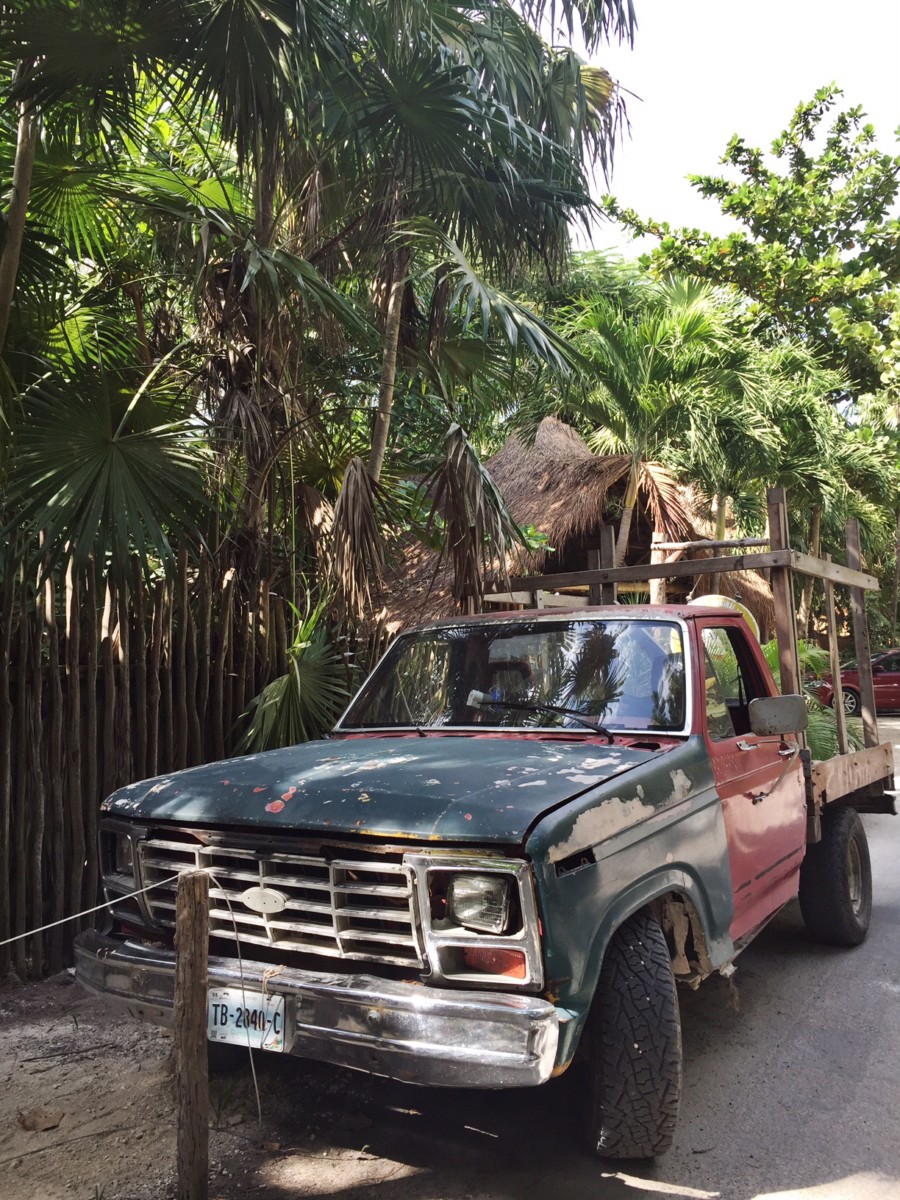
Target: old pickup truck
(523, 831)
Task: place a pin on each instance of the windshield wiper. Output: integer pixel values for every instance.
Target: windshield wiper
(484, 700)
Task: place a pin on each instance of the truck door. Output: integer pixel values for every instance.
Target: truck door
(759, 780)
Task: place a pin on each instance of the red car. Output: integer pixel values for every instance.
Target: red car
(885, 676)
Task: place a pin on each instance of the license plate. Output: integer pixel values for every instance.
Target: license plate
(246, 1018)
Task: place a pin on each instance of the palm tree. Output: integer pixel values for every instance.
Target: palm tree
(670, 378)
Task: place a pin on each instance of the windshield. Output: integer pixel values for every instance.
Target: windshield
(630, 675)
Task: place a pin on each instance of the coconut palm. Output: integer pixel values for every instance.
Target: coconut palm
(671, 378)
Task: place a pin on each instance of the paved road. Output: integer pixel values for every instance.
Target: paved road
(796, 1096)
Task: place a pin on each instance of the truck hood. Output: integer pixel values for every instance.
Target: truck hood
(468, 789)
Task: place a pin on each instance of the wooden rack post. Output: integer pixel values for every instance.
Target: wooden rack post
(191, 1069)
(835, 662)
(783, 591)
(861, 640)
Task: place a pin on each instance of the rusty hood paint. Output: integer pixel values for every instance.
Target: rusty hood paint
(462, 789)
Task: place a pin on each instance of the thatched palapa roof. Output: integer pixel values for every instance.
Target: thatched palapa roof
(559, 486)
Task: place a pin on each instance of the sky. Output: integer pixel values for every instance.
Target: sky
(706, 69)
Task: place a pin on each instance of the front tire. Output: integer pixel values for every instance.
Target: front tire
(836, 881)
(852, 703)
(634, 1044)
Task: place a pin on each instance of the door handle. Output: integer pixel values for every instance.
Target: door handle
(742, 745)
(789, 752)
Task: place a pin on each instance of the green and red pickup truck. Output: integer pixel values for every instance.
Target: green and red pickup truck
(523, 831)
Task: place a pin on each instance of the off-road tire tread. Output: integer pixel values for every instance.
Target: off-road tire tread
(824, 883)
(635, 1032)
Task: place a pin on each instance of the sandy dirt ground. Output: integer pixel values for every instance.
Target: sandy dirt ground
(794, 1097)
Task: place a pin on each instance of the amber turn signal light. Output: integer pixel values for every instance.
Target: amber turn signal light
(495, 961)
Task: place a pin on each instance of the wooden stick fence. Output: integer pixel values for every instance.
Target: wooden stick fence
(103, 682)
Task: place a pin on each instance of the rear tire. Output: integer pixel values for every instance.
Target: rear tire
(634, 1044)
(836, 881)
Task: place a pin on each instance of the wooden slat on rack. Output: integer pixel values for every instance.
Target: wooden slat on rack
(861, 640)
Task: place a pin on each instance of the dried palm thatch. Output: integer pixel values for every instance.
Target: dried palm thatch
(557, 484)
(561, 487)
(357, 556)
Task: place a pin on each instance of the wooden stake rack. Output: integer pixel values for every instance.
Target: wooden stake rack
(868, 774)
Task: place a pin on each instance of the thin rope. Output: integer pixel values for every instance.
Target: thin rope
(87, 912)
(237, 942)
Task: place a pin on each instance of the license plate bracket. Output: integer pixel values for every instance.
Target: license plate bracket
(246, 1018)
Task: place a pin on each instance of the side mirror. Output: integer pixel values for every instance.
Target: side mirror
(877, 669)
(778, 714)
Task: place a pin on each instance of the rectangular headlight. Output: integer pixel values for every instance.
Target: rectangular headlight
(479, 902)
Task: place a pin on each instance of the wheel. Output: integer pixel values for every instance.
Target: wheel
(852, 703)
(836, 881)
(634, 1045)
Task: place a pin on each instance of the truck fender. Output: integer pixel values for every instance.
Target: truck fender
(678, 899)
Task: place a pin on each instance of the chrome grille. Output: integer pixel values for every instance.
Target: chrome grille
(343, 908)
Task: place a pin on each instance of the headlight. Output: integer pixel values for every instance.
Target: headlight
(124, 856)
(479, 902)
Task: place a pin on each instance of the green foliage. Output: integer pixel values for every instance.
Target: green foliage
(304, 703)
(821, 733)
(816, 249)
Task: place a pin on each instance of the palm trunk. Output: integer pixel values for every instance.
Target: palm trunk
(400, 261)
(26, 145)
(721, 530)
(815, 539)
(631, 492)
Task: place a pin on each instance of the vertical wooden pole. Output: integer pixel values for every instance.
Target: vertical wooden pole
(54, 772)
(22, 799)
(783, 591)
(191, 1077)
(6, 790)
(835, 660)
(139, 655)
(608, 591)
(861, 640)
(657, 586)
(179, 662)
(595, 590)
(33, 682)
(91, 795)
(107, 655)
(74, 781)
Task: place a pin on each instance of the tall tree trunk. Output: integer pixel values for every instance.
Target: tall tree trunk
(399, 268)
(631, 493)
(806, 596)
(721, 530)
(26, 145)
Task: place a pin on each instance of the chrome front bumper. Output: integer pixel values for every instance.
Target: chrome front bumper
(402, 1030)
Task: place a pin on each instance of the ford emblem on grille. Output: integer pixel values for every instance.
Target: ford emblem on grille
(263, 900)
